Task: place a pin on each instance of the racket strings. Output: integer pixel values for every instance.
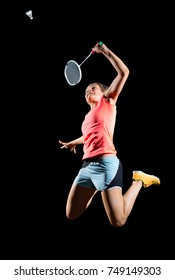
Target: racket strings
(72, 72)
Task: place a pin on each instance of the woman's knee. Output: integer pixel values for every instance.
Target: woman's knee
(117, 222)
(72, 215)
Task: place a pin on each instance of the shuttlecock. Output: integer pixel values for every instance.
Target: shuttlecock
(29, 14)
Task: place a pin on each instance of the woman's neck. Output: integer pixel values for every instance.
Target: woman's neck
(93, 104)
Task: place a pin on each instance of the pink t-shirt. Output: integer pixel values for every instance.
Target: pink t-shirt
(98, 130)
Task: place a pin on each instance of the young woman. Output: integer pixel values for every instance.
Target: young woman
(101, 169)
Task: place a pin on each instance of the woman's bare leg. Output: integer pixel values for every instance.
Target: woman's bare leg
(78, 200)
(119, 206)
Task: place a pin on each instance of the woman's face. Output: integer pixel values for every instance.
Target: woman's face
(93, 93)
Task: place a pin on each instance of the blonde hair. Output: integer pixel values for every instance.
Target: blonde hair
(102, 86)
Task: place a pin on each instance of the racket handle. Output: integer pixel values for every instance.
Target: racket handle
(92, 52)
(100, 44)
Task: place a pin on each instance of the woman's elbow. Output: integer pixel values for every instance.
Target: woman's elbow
(126, 72)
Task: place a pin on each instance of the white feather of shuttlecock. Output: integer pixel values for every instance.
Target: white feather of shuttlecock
(29, 14)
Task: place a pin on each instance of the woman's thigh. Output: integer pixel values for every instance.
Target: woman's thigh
(113, 203)
(78, 200)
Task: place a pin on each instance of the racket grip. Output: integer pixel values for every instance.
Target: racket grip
(100, 44)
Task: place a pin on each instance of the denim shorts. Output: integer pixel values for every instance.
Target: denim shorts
(100, 174)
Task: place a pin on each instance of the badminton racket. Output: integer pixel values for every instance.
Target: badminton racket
(72, 70)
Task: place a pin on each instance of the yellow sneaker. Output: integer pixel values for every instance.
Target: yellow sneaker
(146, 179)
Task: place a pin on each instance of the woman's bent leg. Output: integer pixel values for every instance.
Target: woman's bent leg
(119, 206)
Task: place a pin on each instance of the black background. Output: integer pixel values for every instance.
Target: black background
(39, 108)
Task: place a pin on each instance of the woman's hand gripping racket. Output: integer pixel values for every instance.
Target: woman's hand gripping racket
(72, 70)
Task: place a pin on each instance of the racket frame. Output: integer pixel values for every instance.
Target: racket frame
(80, 72)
